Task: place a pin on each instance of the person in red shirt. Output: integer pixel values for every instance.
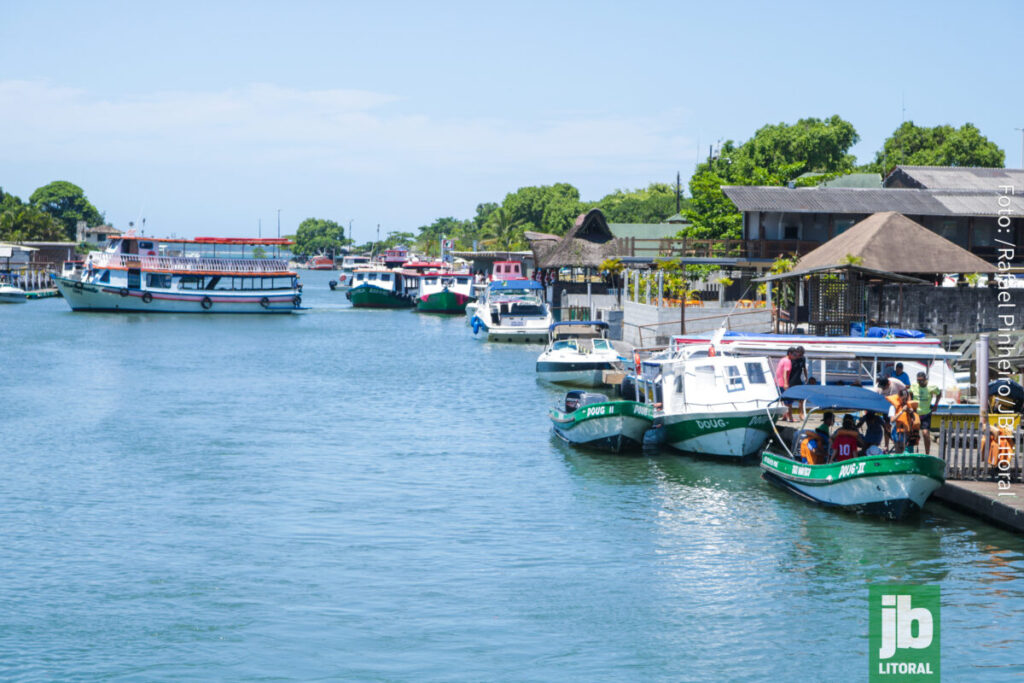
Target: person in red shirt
(847, 441)
(782, 371)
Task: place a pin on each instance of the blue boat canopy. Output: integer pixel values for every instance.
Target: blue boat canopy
(589, 323)
(498, 285)
(837, 397)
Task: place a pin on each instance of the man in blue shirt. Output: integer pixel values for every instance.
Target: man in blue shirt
(899, 374)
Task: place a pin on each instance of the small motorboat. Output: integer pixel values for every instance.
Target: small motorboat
(890, 485)
(578, 353)
(592, 420)
(9, 294)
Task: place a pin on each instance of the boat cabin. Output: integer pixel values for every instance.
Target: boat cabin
(507, 270)
(700, 380)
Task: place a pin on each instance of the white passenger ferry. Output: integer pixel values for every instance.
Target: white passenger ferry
(201, 275)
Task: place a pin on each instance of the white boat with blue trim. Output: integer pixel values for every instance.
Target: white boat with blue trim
(578, 353)
(148, 275)
(512, 311)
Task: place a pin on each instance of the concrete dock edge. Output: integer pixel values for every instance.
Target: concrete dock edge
(981, 499)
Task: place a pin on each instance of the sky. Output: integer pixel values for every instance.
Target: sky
(207, 118)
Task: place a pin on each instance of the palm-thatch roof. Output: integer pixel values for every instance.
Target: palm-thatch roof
(586, 245)
(892, 243)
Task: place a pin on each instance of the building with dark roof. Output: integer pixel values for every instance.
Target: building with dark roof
(968, 206)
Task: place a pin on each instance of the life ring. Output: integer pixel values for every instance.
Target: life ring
(147, 297)
(206, 303)
(297, 300)
(123, 292)
(79, 286)
(265, 302)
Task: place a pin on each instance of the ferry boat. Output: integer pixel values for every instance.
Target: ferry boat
(383, 288)
(441, 292)
(578, 353)
(708, 404)
(320, 262)
(348, 266)
(591, 420)
(513, 311)
(888, 485)
(146, 274)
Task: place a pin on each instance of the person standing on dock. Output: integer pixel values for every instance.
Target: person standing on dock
(798, 371)
(927, 397)
(782, 371)
(889, 386)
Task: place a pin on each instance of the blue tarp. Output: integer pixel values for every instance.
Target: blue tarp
(837, 397)
(891, 332)
(498, 285)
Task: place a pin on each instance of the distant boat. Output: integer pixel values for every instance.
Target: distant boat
(320, 262)
(382, 288)
(512, 311)
(444, 292)
(9, 294)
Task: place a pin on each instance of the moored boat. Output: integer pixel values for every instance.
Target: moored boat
(9, 294)
(888, 485)
(593, 421)
(320, 262)
(441, 292)
(513, 311)
(578, 353)
(711, 404)
(149, 275)
(382, 288)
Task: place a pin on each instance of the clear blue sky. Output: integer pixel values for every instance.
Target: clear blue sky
(206, 116)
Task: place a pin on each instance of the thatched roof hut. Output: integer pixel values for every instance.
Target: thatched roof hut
(586, 245)
(890, 242)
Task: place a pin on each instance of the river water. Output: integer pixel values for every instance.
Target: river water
(376, 495)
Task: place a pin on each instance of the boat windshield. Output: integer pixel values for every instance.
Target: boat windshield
(602, 345)
(565, 344)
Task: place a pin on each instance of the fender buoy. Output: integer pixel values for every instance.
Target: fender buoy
(147, 297)
(477, 324)
(206, 303)
(123, 292)
(711, 352)
(265, 302)
(297, 300)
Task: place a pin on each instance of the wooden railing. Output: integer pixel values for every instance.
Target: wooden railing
(960, 447)
(710, 248)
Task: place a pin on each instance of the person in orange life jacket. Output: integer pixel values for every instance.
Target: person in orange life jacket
(888, 386)
(905, 422)
(847, 441)
(812, 449)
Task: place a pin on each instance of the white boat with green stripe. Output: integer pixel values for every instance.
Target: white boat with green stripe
(710, 404)
(891, 485)
(591, 420)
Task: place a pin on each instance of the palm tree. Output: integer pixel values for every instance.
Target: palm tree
(501, 228)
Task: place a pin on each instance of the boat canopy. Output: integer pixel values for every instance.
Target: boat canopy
(499, 285)
(837, 397)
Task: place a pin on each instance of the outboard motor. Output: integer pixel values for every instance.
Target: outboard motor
(332, 284)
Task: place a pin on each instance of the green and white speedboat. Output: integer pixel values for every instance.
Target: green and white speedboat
(591, 420)
(710, 404)
(888, 485)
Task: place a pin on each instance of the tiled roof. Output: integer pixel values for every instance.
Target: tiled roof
(860, 200)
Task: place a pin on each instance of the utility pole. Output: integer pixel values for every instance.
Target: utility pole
(678, 190)
(277, 247)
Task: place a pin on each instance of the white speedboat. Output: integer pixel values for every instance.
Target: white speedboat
(578, 353)
(711, 404)
(513, 311)
(201, 275)
(9, 294)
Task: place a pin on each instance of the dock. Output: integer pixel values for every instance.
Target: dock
(984, 499)
(42, 293)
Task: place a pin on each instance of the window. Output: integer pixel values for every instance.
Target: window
(679, 384)
(191, 282)
(755, 373)
(844, 224)
(105, 277)
(734, 381)
(162, 280)
(371, 276)
(601, 345)
(791, 232)
(385, 277)
(145, 245)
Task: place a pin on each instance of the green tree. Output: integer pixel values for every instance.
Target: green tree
(317, 235)
(652, 204)
(504, 232)
(398, 239)
(67, 203)
(430, 236)
(28, 224)
(547, 208)
(483, 212)
(912, 145)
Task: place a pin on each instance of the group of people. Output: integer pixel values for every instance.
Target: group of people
(902, 429)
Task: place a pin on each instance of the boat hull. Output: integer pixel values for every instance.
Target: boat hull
(577, 374)
(891, 486)
(732, 434)
(445, 301)
(368, 296)
(12, 296)
(615, 426)
(529, 332)
(83, 296)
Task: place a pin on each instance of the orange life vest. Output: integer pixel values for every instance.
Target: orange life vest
(1000, 446)
(809, 454)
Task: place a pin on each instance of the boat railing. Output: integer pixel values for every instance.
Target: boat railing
(181, 264)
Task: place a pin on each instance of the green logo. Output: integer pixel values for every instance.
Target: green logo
(903, 635)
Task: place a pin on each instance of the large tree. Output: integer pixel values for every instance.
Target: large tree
(547, 208)
(912, 145)
(67, 203)
(652, 204)
(504, 231)
(26, 223)
(317, 235)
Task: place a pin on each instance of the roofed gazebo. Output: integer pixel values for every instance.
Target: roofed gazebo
(883, 247)
(586, 245)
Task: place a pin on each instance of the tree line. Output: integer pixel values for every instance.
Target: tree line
(51, 214)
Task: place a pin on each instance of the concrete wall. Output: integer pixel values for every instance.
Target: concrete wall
(944, 310)
(706, 319)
